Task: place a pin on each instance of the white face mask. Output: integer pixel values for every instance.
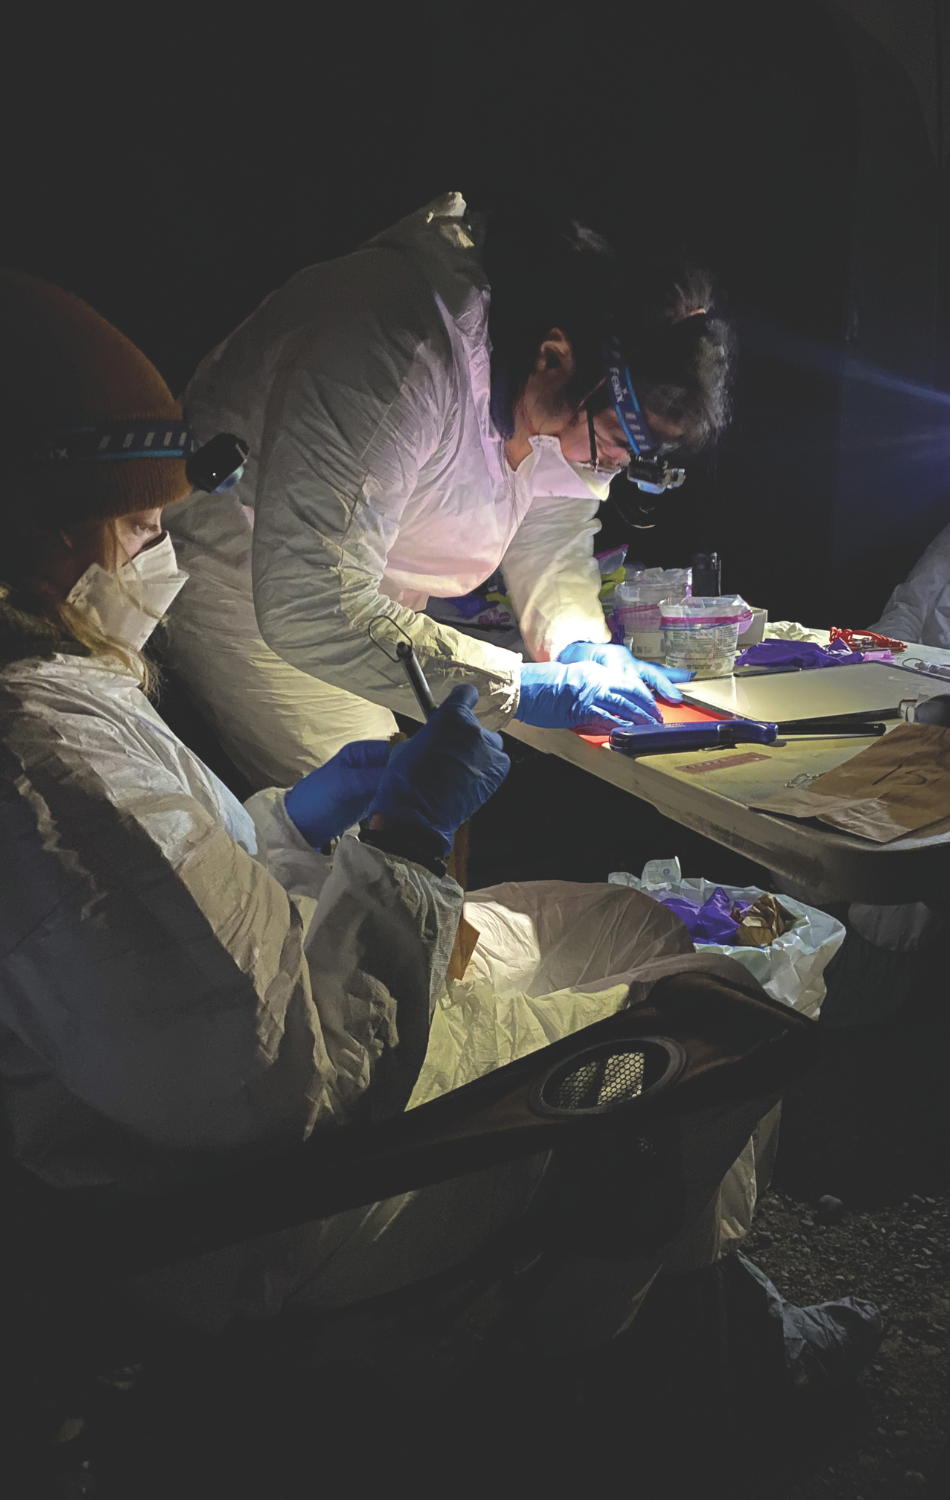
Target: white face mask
(554, 474)
(130, 603)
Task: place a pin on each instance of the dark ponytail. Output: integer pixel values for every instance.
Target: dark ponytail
(681, 353)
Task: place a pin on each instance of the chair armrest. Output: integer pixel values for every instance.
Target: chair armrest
(736, 1045)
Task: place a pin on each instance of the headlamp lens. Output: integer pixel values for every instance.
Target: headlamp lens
(654, 475)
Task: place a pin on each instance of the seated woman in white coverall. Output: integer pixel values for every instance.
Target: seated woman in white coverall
(186, 979)
(420, 413)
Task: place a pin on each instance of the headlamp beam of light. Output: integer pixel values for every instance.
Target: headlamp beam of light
(779, 343)
(214, 467)
(646, 469)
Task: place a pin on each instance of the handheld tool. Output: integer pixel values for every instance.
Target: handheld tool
(653, 739)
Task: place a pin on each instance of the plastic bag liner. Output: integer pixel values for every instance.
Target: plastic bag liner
(826, 1345)
(790, 969)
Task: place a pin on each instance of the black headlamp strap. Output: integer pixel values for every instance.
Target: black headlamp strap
(214, 466)
(152, 438)
(625, 402)
(647, 469)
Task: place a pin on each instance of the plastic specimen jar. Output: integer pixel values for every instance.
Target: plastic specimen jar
(701, 633)
(637, 607)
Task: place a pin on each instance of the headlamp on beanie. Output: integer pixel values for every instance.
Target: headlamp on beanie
(214, 467)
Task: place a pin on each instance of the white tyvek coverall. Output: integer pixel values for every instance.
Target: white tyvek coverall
(376, 480)
(181, 974)
(918, 611)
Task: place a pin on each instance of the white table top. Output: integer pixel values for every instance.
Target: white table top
(690, 789)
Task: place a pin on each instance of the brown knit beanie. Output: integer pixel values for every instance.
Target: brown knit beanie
(63, 366)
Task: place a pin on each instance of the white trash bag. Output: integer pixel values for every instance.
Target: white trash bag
(790, 969)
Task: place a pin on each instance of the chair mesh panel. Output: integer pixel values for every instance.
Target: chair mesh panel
(610, 1079)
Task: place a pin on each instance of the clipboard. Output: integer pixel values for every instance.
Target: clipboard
(867, 690)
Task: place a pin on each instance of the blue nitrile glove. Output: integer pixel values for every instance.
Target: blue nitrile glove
(445, 772)
(583, 696)
(336, 795)
(619, 659)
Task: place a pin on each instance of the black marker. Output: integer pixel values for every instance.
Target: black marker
(417, 680)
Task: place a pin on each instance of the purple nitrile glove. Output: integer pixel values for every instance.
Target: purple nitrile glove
(713, 920)
(776, 655)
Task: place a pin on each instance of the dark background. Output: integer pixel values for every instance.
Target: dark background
(174, 170)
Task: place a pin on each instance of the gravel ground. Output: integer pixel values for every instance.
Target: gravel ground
(887, 1435)
(881, 1438)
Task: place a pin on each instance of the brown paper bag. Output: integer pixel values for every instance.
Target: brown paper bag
(765, 921)
(901, 783)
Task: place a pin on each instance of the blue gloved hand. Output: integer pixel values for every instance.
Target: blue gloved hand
(337, 795)
(445, 772)
(630, 669)
(583, 696)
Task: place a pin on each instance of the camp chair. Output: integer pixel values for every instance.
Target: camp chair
(696, 1042)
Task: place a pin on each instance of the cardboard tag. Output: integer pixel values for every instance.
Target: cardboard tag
(466, 937)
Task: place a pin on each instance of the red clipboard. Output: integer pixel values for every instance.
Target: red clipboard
(671, 713)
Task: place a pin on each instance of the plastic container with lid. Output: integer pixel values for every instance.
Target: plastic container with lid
(701, 633)
(637, 607)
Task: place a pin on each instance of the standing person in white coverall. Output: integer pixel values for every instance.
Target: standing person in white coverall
(879, 971)
(918, 611)
(185, 980)
(419, 413)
